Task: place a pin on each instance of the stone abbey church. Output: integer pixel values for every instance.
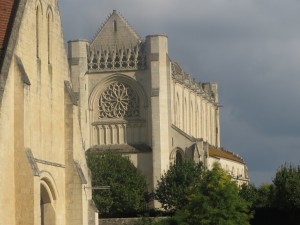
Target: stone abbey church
(118, 92)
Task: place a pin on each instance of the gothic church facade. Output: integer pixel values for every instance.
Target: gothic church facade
(135, 100)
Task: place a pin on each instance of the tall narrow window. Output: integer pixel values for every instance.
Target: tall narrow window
(49, 33)
(176, 110)
(115, 26)
(38, 23)
(185, 117)
(191, 131)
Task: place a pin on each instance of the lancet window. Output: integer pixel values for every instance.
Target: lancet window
(49, 34)
(119, 100)
(38, 24)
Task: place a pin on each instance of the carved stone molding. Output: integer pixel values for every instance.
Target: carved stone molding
(133, 58)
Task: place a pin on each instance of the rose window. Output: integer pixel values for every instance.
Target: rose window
(118, 100)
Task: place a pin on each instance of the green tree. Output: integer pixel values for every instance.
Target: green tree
(265, 196)
(249, 193)
(128, 189)
(173, 188)
(287, 187)
(261, 197)
(215, 201)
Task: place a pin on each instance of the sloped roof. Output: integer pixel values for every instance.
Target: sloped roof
(220, 153)
(7, 13)
(11, 13)
(115, 32)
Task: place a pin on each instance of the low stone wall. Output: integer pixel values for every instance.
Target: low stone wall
(124, 221)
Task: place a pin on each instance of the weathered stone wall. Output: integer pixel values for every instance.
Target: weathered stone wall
(7, 199)
(38, 116)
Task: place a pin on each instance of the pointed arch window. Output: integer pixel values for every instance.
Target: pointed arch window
(191, 131)
(185, 116)
(38, 27)
(49, 35)
(177, 111)
(197, 127)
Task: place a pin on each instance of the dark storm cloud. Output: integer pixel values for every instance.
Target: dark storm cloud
(251, 48)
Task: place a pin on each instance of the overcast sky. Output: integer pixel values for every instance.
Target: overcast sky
(251, 48)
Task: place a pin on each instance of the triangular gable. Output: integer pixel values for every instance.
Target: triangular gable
(115, 33)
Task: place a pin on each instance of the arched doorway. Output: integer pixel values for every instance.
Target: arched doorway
(48, 216)
(177, 156)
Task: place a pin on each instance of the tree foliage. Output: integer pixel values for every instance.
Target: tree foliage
(211, 198)
(287, 187)
(260, 197)
(215, 201)
(249, 193)
(173, 188)
(128, 189)
(277, 203)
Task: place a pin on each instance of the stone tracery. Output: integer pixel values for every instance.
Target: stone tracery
(131, 58)
(119, 100)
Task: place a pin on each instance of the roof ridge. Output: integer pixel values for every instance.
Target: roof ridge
(128, 24)
(101, 26)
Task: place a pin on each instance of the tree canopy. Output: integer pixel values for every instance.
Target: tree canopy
(215, 201)
(287, 187)
(173, 187)
(209, 198)
(128, 188)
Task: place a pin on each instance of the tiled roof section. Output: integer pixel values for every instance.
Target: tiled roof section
(221, 153)
(7, 14)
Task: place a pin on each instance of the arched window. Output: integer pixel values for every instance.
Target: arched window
(177, 111)
(191, 131)
(38, 28)
(185, 125)
(49, 35)
(197, 133)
